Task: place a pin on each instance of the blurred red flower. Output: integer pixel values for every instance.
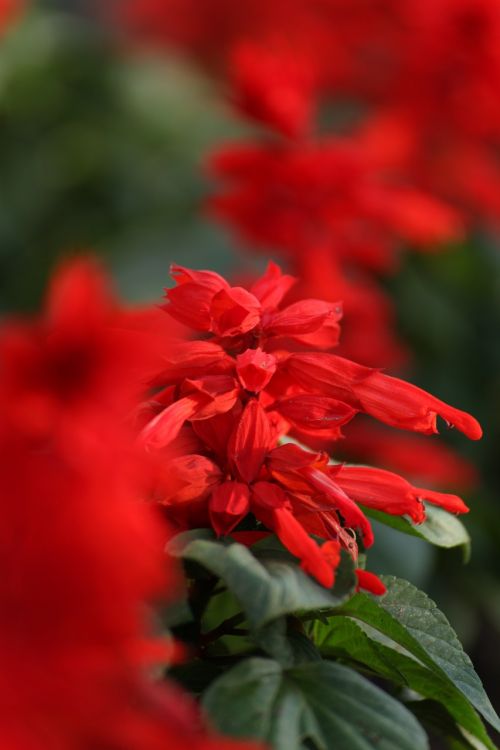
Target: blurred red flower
(81, 554)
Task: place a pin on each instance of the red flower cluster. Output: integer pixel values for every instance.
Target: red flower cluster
(384, 130)
(283, 60)
(80, 553)
(327, 194)
(260, 372)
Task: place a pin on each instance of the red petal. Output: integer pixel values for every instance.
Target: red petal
(388, 399)
(272, 287)
(290, 457)
(192, 359)
(306, 316)
(229, 504)
(404, 405)
(189, 478)
(250, 442)
(166, 425)
(421, 218)
(216, 394)
(353, 516)
(451, 503)
(270, 505)
(208, 279)
(370, 582)
(412, 455)
(189, 302)
(234, 311)
(327, 374)
(216, 431)
(315, 412)
(331, 552)
(381, 490)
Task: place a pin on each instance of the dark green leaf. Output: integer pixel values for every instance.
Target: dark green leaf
(435, 717)
(319, 704)
(361, 645)
(408, 617)
(268, 587)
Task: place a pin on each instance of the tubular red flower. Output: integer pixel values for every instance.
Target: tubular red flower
(274, 86)
(331, 491)
(391, 400)
(250, 442)
(255, 369)
(189, 302)
(389, 492)
(234, 311)
(402, 404)
(381, 490)
(270, 504)
(229, 504)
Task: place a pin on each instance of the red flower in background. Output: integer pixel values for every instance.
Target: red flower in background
(260, 372)
(327, 194)
(81, 555)
(283, 60)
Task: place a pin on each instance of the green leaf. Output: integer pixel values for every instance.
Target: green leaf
(283, 641)
(408, 617)
(434, 716)
(319, 704)
(440, 528)
(360, 644)
(269, 586)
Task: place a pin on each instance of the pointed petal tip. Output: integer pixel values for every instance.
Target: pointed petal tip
(370, 582)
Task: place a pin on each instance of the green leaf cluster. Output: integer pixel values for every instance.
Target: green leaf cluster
(283, 660)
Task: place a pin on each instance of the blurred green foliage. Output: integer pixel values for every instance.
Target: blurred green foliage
(98, 150)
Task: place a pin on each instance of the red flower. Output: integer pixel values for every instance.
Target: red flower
(388, 399)
(418, 457)
(274, 85)
(80, 554)
(330, 193)
(260, 381)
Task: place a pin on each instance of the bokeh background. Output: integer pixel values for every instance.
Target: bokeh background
(102, 148)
